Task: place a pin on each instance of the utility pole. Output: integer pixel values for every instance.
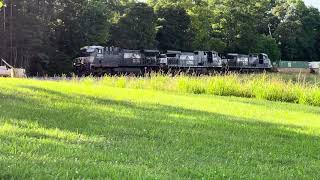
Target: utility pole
(4, 18)
(11, 28)
(4, 30)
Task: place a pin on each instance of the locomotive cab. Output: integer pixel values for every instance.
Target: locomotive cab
(265, 60)
(82, 64)
(260, 60)
(163, 59)
(173, 57)
(87, 55)
(91, 51)
(213, 58)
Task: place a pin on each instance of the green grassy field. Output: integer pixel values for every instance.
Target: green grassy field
(68, 129)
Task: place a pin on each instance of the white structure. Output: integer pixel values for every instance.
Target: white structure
(314, 67)
(4, 71)
(8, 71)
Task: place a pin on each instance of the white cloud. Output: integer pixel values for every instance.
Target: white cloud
(314, 3)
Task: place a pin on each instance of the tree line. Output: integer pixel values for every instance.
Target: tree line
(44, 36)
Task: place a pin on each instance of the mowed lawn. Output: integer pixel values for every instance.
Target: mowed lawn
(65, 130)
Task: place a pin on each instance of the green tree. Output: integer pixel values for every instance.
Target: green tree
(80, 23)
(43, 36)
(207, 34)
(174, 29)
(136, 29)
(237, 23)
(298, 30)
(268, 45)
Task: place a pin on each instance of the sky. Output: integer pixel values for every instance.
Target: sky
(315, 3)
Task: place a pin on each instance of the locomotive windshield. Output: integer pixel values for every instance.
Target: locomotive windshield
(84, 53)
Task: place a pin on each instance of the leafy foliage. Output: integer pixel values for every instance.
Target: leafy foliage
(44, 36)
(174, 31)
(136, 28)
(269, 45)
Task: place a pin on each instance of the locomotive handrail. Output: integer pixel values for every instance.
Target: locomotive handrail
(5, 62)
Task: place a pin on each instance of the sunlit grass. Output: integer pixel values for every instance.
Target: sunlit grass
(140, 128)
(299, 89)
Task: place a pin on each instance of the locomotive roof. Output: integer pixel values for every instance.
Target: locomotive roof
(131, 50)
(233, 54)
(150, 50)
(206, 51)
(259, 54)
(173, 52)
(187, 53)
(92, 47)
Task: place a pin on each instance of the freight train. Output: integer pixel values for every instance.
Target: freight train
(98, 60)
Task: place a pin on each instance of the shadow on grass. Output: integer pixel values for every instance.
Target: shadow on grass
(270, 104)
(151, 140)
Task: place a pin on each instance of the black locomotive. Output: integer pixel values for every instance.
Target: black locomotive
(98, 60)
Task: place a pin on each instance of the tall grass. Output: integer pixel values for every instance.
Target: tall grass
(260, 86)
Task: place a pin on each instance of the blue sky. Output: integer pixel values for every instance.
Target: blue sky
(315, 3)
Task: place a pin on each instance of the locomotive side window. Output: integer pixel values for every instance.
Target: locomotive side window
(84, 53)
(99, 51)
